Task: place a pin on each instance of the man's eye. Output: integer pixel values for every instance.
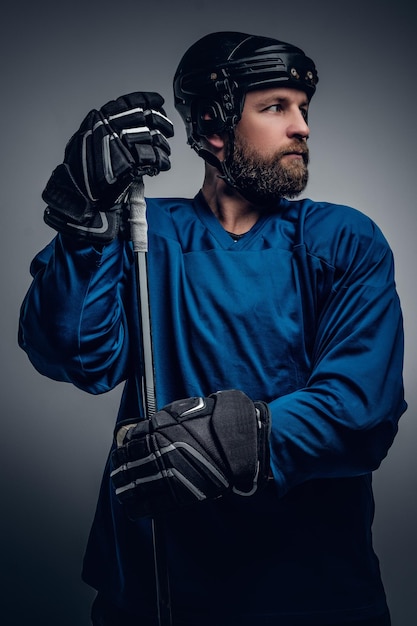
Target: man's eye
(304, 113)
(275, 108)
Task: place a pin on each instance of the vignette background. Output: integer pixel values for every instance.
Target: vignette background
(61, 59)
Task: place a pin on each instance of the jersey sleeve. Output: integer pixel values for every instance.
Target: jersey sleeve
(73, 324)
(343, 421)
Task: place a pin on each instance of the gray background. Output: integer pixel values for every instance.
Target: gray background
(58, 61)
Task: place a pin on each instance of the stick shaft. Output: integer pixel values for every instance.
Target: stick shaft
(148, 379)
(139, 235)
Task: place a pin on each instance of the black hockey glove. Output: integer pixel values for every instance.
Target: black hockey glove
(192, 450)
(126, 137)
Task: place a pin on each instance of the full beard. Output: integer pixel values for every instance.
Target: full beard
(264, 181)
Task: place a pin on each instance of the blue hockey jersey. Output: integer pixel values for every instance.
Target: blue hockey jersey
(301, 312)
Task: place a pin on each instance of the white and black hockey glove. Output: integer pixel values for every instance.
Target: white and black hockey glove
(126, 137)
(192, 450)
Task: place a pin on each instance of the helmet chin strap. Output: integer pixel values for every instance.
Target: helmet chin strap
(221, 166)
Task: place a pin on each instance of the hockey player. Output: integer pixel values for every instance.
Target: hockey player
(278, 346)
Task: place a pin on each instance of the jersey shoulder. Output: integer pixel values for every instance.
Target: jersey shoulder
(336, 232)
(167, 217)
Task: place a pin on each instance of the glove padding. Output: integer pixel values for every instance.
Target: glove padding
(192, 450)
(125, 138)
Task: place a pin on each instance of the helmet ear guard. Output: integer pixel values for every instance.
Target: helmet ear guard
(208, 118)
(216, 113)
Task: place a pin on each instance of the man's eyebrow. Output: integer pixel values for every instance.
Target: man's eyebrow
(277, 98)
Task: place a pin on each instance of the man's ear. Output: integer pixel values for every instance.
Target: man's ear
(210, 124)
(216, 141)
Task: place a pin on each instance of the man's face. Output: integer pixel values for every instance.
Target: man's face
(270, 154)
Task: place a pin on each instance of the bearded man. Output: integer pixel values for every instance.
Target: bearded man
(277, 352)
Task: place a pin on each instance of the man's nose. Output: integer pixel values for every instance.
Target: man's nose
(298, 126)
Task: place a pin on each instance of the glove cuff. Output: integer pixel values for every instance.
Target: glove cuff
(70, 212)
(243, 428)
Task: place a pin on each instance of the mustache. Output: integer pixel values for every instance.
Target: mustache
(296, 148)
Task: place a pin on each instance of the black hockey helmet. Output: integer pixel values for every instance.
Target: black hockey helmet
(218, 70)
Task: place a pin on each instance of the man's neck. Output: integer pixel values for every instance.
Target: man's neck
(236, 214)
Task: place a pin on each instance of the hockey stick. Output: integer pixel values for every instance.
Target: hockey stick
(139, 236)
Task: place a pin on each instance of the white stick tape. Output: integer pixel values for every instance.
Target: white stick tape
(137, 218)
